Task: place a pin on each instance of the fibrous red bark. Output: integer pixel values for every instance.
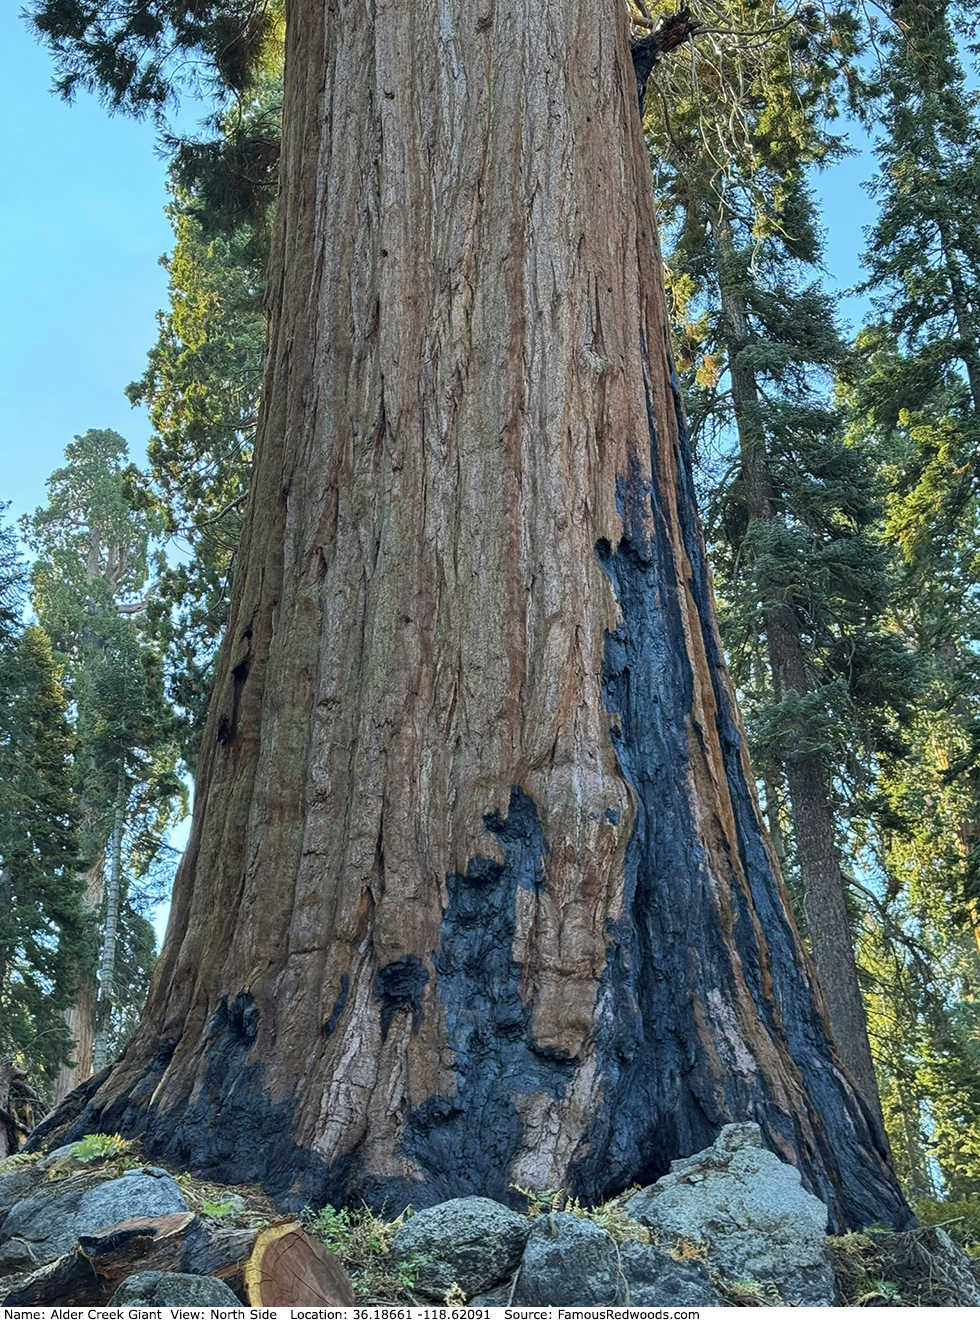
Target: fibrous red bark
(477, 893)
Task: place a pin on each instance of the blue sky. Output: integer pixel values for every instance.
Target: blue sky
(81, 230)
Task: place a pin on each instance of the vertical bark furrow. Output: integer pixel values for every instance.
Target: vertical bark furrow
(481, 865)
(751, 1014)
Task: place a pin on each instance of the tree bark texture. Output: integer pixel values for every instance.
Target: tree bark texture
(477, 892)
(10, 1135)
(80, 1016)
(110, 933)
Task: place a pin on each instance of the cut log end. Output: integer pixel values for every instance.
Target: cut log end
(287, 1267)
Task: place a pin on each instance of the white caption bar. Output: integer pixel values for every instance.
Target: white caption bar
(444, 1313)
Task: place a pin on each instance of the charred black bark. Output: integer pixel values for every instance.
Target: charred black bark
(647, 52)
(544, 1012)
(665, 1095)
(466, 1142)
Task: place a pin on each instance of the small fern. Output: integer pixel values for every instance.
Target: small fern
(99, 1147)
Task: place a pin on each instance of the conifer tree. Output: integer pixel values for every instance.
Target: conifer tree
(41, 924)
(791, 510)
(202, 387)
(89, 587)
(914, 393)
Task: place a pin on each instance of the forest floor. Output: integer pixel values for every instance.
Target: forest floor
(873, 1269)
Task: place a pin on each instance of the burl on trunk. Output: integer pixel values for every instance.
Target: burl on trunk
(477, 893)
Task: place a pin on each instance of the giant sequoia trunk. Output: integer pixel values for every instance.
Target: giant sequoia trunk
(477, 892)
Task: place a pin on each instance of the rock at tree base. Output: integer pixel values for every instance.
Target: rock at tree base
(571, 1261)
(174, 1289)
(63, 1154)
(53, 1216)
(498, 1297)
(751, 1211)
(15, 1186)
(234, 1202)
(16, 1255)
(568, 1261)
(470, 1242)
(655, 1278)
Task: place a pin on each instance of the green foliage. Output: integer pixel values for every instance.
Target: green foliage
(959, 1216)
(229, 182)
(791, 506)
(201, 385)
(889, 1292)
(137, 56)
(746, 1293)
(136, 53)
(99, 1147)
(363, 1241)
(919, 384)
(116, 1154)
(407, 1270)
(90, 590)
(816, 548)
(334, 1227)
(42, 928)
(913, 390)
(610, 1217)
(871, 533)
(18, 1160)
(216, 1211)
(136, 954)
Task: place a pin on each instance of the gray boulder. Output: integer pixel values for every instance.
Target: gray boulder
(751, 1210)
(234, 1202)
(568, 1261)
(174, 1289)
(498, 1297)
(654, 1278)
(16, 1255)
(52, 1217)
(472, 1242)
(15, 1185)
(57, 1155)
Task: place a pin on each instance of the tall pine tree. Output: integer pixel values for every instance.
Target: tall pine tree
(790, 505)
(202, 387)
(915, 395)
(89, 588)
(42, 930)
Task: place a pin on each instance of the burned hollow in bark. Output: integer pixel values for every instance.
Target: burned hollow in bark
(477, 893)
